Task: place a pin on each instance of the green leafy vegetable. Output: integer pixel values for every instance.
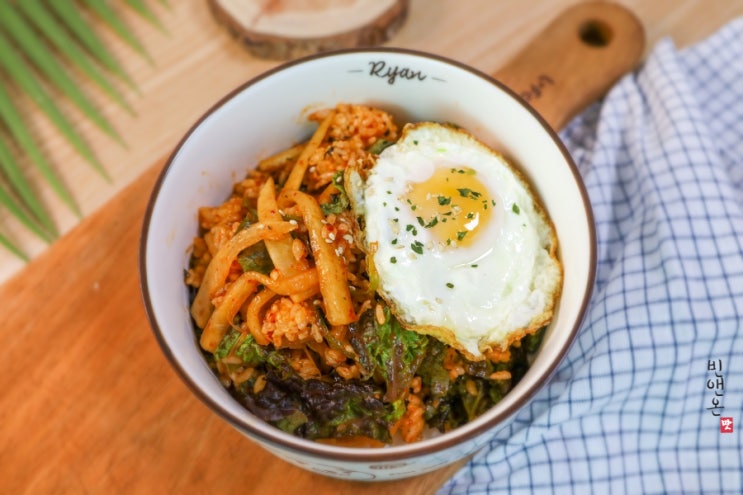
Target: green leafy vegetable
(388, 351)
(256, 259)
(314, 408)
(390, 357)
(436, 379)
(227, 343)
(339, 201)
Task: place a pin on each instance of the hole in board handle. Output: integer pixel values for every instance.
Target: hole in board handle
(595, 33)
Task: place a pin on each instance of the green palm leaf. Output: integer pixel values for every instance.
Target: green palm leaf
(143, 10)
(55, 33)
(14, 122)
(19, 211)
(24, 37)
(40, 41)
(77, 25)
(17, 69)
(22, 188)
(106, 13)
(12, 248)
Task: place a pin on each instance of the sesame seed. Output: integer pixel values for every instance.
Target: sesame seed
(379, 314)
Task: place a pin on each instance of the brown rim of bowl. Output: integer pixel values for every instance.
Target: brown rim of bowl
(280, 439)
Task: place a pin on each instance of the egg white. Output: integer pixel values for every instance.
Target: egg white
(477, 297)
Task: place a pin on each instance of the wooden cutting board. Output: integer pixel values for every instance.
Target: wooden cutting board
(90, 405)
(89, 402)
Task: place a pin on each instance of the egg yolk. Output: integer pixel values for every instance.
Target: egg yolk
(452, 204)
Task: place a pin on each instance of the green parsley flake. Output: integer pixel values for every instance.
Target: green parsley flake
(466, 192)
(515, 208)
(417, 247)
(444, 200)
(461, 234)
(393, 260)
(450, 285)
(433, 222)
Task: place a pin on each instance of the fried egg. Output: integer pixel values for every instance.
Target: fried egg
(462, 248)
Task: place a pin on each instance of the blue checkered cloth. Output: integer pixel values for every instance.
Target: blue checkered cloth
(643, 401)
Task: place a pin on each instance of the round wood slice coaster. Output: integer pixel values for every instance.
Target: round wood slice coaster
(288, 29)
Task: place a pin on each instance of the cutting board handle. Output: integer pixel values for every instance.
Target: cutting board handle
(575, 60)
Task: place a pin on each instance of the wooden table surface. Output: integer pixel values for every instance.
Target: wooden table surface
(89, 403)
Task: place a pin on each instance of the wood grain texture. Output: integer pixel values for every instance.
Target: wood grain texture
(288, 29)
(575, 59)
(197, 62)
(89, 404)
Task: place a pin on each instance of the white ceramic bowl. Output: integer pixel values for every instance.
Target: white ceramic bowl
(267, 114)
